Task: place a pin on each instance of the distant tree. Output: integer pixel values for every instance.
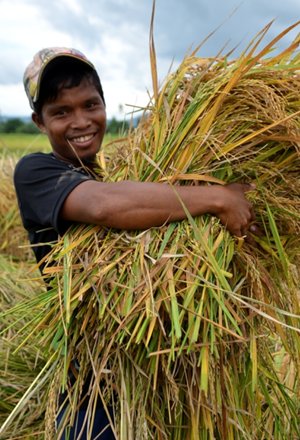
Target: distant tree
(117, 127)
(28, 127)
(16, 125)
(11, 125)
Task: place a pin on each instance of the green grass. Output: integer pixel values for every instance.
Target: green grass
(23, 143)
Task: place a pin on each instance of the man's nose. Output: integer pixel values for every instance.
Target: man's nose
(80, 119)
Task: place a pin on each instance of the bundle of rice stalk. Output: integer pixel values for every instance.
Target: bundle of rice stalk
(192, 333)
(13, 240)
(20, 365)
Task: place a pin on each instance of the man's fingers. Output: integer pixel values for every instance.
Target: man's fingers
(249, 187)
(256, 230)
(243, 187)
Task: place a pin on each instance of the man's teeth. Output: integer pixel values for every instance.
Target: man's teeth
(83, 138)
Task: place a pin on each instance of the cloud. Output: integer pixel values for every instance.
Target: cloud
(179, 25)
(188, 24)
(115, 35)
(21, 36)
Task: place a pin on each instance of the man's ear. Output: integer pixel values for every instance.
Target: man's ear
(38, 122)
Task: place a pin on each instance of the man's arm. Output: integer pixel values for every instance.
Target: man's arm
(141, 205)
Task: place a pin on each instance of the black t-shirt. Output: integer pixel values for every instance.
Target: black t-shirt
(42, 183)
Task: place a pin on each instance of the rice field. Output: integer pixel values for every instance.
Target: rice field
(19, 144)
(193, 333)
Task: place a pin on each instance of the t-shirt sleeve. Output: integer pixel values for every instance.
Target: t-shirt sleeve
(42, 184)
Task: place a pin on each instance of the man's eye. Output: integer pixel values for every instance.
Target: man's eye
(93, 105)
(59, 112)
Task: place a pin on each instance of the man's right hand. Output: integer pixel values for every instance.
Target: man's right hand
(233, 209)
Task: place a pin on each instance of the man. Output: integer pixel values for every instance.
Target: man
(58, 189)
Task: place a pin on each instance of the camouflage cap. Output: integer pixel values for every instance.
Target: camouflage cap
(33, 73)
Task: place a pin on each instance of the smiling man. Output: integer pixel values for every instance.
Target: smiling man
(59, 189)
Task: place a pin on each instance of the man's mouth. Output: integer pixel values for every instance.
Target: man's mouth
(82, 139)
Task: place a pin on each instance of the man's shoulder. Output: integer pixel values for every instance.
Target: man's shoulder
(38, 169)
(34, 158)
(37, 162)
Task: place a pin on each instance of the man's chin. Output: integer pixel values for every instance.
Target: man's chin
(89, 159)
(84, 156)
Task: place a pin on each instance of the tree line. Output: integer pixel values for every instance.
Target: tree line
(17, 125)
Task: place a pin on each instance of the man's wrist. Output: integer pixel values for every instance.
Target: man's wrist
(215, 198)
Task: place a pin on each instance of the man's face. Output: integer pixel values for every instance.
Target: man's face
(74, 123)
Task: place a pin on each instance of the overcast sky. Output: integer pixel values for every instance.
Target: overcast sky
(114, 34)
